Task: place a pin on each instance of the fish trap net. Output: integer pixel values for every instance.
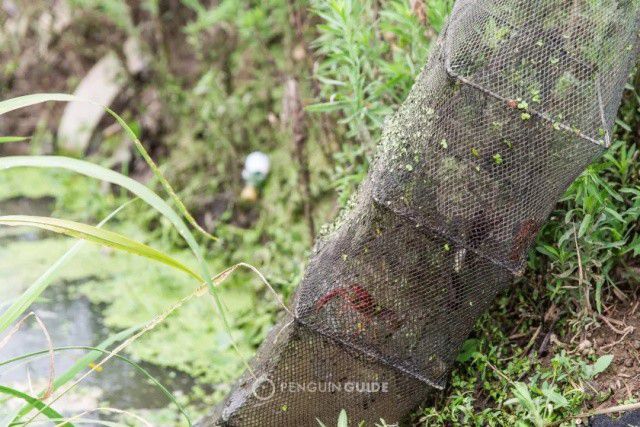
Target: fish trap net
(517, 98)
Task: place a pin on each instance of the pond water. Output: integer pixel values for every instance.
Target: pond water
(72, 320)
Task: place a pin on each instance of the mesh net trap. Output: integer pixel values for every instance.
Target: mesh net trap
(517, 98)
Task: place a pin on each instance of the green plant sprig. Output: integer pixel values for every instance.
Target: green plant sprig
(97, 351)
(20, 304)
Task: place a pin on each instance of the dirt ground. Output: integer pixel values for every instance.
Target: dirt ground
(41, 56)
(49, 59)
(615, 332)
(619, 335)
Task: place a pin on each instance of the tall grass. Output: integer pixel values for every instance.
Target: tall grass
(96, 234)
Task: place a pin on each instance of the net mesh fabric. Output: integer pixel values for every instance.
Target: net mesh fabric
(518, 97)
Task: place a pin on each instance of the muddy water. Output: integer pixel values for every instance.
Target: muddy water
(76, 322)
(71, 320)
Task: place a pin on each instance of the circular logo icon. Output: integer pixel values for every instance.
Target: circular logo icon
(263, 388)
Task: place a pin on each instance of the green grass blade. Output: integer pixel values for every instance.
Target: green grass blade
(22, 303)
(151, 198)
(99, 236)
(104, 174)
(35, 403)
(84, 361)
(80, 364)
(108, 175)
(38, 98)
(156, 171)
(6, 139)
(34, 99)
(79, 420)
(98, 351)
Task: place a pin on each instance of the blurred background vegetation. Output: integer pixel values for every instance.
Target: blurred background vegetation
(309, 83)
